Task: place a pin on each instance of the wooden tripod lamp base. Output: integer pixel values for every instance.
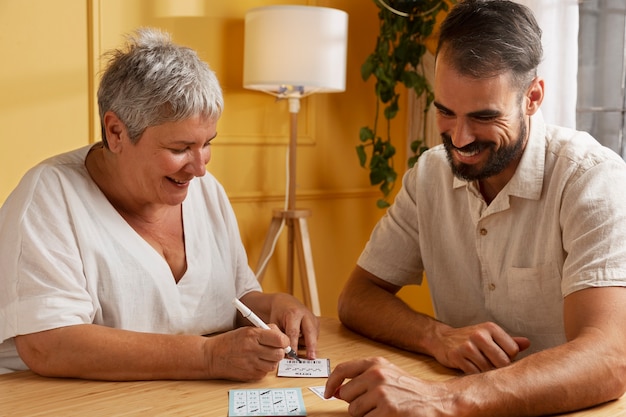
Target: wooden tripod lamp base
(298, 242)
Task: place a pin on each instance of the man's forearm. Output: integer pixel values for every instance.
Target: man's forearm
(569, 377)
(380, 315)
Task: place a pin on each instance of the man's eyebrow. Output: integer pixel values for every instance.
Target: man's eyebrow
(441, 107)
(477, 113)
(485, 113)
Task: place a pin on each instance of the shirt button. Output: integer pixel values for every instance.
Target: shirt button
(483, 232)
(492, 286)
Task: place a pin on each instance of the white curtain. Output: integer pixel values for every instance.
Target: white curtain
(558, 20)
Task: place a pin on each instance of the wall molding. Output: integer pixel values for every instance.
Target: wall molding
(305, 195)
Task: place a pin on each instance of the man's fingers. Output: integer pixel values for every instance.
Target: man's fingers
(522, 342)
(345, 370)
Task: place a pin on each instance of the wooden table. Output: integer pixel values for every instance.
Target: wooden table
(27, 394)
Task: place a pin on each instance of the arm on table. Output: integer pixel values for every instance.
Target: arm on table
(587, 370)
(97, 352)
(369, 306)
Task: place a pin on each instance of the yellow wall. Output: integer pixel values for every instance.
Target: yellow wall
(50, 67)
(43, 83)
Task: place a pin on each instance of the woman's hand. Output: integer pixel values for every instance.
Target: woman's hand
(244, 354)
(297, 322)
(290, 315)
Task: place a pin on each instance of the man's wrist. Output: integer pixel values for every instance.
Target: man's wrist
(428, 340)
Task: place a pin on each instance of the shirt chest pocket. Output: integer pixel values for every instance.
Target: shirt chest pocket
(536, 299)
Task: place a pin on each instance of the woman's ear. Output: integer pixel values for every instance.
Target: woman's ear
(534, 96)
(115, 131)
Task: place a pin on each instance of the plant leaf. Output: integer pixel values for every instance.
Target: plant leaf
(380, 203)
(366, 134)
(367, 69)
(360, 151)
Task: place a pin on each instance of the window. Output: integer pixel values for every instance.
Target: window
(601, 103)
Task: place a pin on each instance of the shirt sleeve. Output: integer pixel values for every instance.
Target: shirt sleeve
(40, 266)
(393, 252)
(593, 220)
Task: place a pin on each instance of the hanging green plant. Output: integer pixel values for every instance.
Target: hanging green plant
(397, 58)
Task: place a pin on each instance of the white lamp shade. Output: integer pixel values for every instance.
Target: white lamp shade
(298, 46)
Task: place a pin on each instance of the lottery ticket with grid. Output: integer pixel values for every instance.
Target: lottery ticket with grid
(266, 402)
(304, 368)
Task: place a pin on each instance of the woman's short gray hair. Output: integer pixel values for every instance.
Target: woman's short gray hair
(152, 81)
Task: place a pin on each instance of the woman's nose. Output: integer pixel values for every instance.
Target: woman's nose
(199, 160)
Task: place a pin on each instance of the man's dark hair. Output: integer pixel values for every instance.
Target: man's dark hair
(485, 38)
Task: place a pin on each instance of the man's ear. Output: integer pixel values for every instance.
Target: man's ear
(534, 96)
(115, 131)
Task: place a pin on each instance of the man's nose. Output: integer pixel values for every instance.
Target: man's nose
(462, 134)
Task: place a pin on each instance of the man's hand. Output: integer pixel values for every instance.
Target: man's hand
(381, 389)
(477, 348)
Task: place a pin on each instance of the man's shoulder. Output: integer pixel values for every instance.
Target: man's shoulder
(577, 147)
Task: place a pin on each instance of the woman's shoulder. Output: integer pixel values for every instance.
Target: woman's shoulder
(53, 174)
(69, 158)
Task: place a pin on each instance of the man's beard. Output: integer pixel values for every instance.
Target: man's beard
(497, 161)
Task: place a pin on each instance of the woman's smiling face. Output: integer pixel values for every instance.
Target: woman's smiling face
(160, 166)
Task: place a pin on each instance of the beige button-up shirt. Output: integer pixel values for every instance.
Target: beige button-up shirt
(557, 227)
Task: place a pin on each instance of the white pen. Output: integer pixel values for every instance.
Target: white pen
(254, 319)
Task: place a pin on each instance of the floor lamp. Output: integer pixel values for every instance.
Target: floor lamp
(292, 52)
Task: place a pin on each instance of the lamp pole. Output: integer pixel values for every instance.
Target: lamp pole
(298, 241)
(294, 108)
